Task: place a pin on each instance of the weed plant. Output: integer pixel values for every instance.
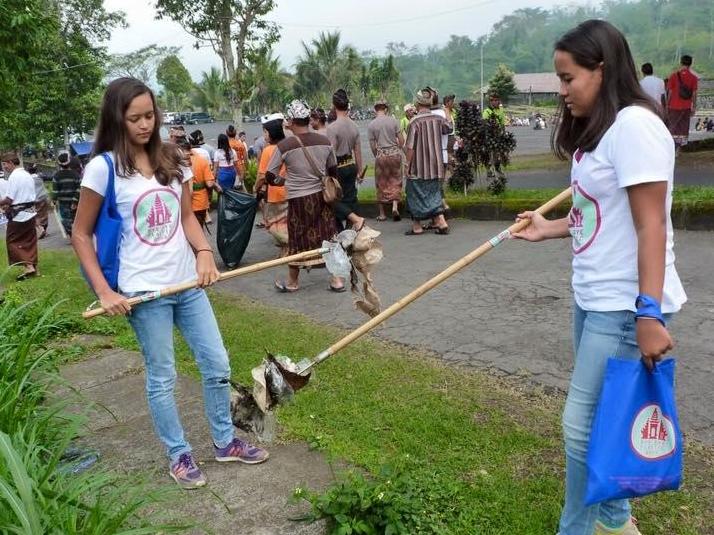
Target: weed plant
(35, 430)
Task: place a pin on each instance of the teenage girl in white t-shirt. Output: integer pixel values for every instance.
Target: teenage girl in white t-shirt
(624, 280)
(159, 237)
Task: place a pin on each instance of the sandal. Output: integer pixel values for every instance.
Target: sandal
(284, 288)
(442, 230)
(337, 289)
(396, 216)
(381, 218)
(411, 232)
(26, 275)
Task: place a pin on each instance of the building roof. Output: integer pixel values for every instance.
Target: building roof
(537, 82)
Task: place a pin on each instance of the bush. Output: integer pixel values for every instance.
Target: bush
(36, 495)
(251, 174)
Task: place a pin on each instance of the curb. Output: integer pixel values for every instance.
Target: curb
(689, 216)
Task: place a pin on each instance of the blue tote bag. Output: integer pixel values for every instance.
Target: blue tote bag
(635, 444)
(107, 231)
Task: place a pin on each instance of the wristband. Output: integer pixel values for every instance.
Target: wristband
(206, 250)
(648, 307)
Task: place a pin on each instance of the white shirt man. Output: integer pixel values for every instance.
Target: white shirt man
(653, 85)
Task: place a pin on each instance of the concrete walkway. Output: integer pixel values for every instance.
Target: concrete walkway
(250, 500)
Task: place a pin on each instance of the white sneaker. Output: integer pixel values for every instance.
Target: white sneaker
(628, 529)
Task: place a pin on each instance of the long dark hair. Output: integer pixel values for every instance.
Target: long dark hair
(112, 136)
(225, 146)
(592, 43)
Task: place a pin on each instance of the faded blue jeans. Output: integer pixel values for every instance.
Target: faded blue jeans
(597, 336)
(153, 324)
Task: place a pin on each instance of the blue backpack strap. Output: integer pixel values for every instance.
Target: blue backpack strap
(110, 194)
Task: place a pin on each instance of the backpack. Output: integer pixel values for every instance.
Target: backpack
(685, 92)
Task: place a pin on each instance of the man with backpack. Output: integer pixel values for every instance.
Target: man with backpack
(681, 100)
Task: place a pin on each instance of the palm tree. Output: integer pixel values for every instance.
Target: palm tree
(271, 85)
(211, 93)
(325, 66)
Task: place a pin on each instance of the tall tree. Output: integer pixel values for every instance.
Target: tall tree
(502, 83)
(140, 64)
(327, 65)
(52, 67)
(235, 29)
(175, 79)
(211, 93)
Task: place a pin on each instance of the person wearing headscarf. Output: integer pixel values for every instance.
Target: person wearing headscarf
(275, 198)
(19, 206)
(310, 219)
(386, 141)
(344, 135)
(425, 166)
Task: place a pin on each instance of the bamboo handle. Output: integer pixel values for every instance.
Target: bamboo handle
(171, 290)
(435, 281)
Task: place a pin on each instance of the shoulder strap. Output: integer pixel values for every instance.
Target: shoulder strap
(110, 195)
(309, 158)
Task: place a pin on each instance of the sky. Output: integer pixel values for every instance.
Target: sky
(365, 24)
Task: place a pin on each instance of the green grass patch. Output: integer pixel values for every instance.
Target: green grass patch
(482, 455)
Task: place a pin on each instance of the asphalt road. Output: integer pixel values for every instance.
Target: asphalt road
(508, 313)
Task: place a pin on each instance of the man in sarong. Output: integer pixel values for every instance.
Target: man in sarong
(19, 206)
(425, 167)
(386, 141)
(681, 100)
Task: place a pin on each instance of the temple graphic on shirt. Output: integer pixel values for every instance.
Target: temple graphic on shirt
(654, 428)
(160, 214)
(156, 216)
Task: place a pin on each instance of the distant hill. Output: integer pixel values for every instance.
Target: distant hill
(659, 31)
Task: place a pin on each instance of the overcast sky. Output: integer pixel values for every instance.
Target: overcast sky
(365, 24)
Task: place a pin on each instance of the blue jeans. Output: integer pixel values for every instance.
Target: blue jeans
(597, 336)
(153, 324)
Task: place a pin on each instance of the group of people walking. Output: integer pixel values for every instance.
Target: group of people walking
(626, 287)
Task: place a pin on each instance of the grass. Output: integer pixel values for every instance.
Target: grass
(486, 453)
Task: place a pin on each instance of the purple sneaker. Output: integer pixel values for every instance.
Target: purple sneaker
(241, 451)
(186, 473)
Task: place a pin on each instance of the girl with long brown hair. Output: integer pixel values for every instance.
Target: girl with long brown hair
(162, 244)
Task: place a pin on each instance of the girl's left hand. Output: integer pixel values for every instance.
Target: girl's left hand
(206, 269)
(654, 341)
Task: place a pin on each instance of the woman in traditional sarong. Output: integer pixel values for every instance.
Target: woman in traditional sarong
(19, 205)
(386, 142)
(275, 212)
(310, 219)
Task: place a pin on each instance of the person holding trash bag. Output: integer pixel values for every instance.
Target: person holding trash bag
(161, 245)
(625, 283)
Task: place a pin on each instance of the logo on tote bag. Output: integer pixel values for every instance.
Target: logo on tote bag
(652, 433)
(156, 216)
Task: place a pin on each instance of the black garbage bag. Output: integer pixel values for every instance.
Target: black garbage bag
(236, 212)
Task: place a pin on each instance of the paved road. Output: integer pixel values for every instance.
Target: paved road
(508, 312)
(528, 141)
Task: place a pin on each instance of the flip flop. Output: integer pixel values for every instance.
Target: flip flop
(396, 216)
(25, 276)
(411, 232)
(443, 231)
(284, 288)
(381, 218)
(339, 290)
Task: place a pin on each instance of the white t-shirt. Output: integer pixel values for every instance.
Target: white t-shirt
(637, 148)
(219, 157)
(654, 87)
(154, 252)
(21, 189)
(444, 137)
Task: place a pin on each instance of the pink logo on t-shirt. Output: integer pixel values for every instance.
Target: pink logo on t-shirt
(584, 219)
(156, 216)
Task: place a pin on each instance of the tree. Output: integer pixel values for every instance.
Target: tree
(271, 85)
(211, 93)
(325, 66)
(235, 29)
(175, 79)
(140, 64)
(51, 67)
(502, 83)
